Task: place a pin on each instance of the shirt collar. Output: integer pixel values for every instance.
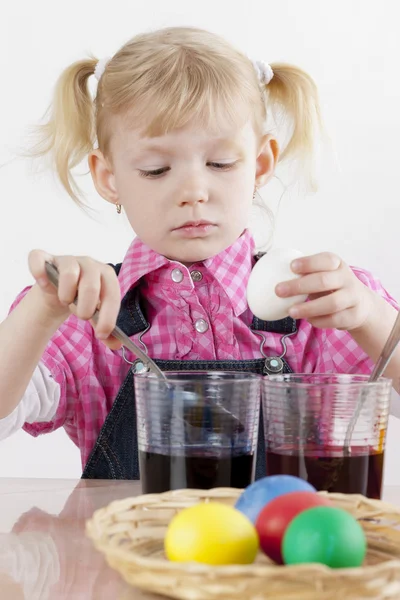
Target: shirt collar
(138, 262)
(230, 268)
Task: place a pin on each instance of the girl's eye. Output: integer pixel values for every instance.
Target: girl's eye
(222, 166)
(153, 173)
(162, 170)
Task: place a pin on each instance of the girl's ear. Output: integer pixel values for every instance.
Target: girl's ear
(266, 160)
(103, 176)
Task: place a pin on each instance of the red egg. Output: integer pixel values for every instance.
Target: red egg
(276, 516)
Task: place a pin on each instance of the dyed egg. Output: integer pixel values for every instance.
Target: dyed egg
(274, 518)
(259, 493)
(326, 535)
(212, 533)
(269, 270)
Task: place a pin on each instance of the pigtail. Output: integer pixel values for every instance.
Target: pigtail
(68, 133)
(293, 94)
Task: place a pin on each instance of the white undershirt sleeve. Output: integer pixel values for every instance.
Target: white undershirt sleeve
(38, 405)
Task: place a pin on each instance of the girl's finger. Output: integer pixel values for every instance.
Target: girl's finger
(325, 306)
(341, 320)
(89, 287)
(36, 263)
(316, 283)
(324, 261)
(110, 302)
(69, 271)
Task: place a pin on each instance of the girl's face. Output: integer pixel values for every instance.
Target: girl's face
(188, 193)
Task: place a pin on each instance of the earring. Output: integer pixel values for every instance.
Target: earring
(119, 208)
(255, 192)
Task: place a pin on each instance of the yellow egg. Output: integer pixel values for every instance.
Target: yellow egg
(211, 533)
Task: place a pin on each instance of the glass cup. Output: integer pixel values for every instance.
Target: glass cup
(201, 433)
(327, 429)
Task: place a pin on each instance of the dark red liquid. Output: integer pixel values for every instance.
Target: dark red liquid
(160, 473)
(355, 474)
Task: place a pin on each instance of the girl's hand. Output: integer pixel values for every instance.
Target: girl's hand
(95, 283)
(336, 298)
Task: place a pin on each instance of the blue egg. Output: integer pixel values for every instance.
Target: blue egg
(261, 492)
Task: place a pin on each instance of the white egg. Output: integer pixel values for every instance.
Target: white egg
(269, 270)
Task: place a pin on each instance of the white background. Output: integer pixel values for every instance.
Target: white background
(352, 49)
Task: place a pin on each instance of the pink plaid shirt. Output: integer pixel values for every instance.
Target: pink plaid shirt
(90, 375)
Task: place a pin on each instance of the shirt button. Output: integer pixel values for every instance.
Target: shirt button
(201, 325)
(196, 276)
(177, 275)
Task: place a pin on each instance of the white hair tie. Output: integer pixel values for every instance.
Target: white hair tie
(264, 71)
(101, 67)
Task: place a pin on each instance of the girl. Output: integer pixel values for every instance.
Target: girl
(176, 138)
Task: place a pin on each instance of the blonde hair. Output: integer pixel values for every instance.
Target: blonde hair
(162, 80)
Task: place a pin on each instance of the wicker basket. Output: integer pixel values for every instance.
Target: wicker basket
(130, 533)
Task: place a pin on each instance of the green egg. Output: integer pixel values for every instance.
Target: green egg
(326, 535)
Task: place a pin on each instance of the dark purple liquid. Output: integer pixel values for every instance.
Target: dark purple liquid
(161, 473)
(356, 474)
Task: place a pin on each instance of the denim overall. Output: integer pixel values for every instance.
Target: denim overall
(115, 453)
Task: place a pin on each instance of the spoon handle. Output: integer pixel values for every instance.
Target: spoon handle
(52, 273)
(387, 351)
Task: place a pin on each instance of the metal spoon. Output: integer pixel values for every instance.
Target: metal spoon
(380, 366)
(53, 275)
(387, 352)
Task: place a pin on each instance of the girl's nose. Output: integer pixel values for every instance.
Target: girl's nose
(192, 192)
